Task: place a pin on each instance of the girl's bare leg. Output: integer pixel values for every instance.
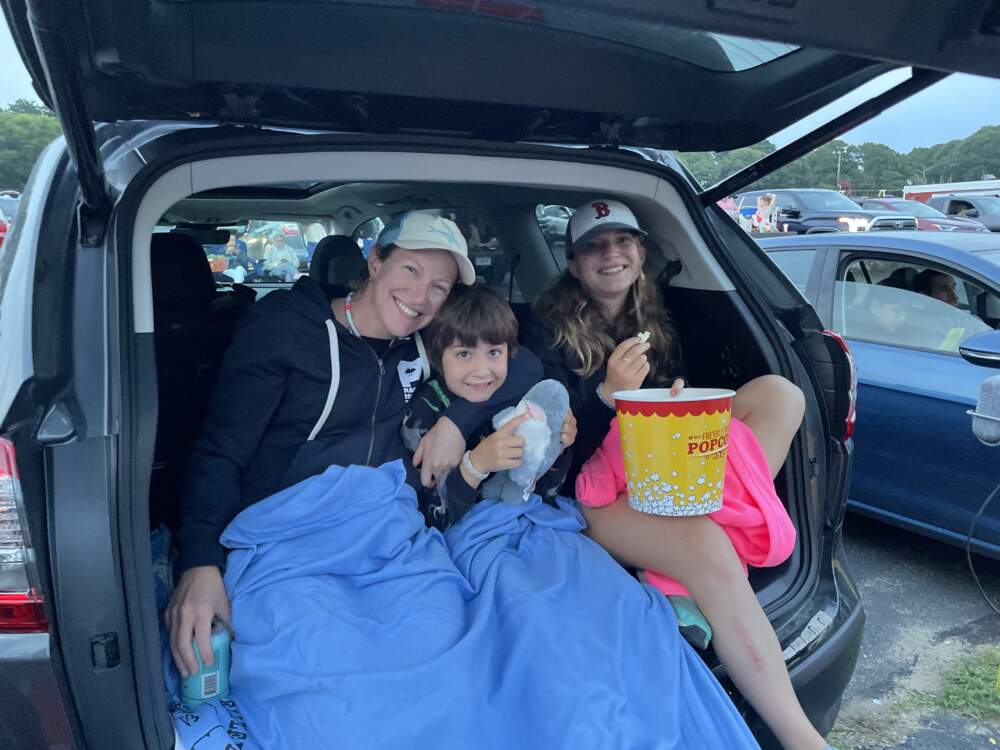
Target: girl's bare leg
(697, 552)
(772, 407)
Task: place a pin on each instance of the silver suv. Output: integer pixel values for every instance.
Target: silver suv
(175, 114)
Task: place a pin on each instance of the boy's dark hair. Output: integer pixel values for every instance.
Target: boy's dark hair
(470, 314)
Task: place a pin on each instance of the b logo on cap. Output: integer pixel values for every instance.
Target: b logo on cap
(601, 210)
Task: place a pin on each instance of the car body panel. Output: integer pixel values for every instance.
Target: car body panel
(917, 462)
(939, 222)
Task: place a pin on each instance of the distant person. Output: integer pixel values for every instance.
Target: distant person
(937, 284)
(763, 218)
(238, 262)
(280, 260)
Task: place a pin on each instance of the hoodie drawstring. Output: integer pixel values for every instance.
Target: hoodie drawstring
(331, 395)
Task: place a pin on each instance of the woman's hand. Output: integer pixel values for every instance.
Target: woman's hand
(438, 451)
(628, 367)
(199, 596)
(567, 434)
(501, 450)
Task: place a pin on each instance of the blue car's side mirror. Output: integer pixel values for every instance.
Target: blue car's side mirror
(983, 349)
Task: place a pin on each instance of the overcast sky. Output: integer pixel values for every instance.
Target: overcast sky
(953, 108)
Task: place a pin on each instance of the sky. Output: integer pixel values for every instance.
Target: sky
(954, 108)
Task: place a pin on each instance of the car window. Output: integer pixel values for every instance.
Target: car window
(827, 200)
(876, 300)
(366, 234)
(796, 265)
(989, 205)
(785, 201)
(552, 220)
(960, 208)
(264, 251)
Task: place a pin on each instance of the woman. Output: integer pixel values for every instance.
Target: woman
(587, 339)
(282, 412)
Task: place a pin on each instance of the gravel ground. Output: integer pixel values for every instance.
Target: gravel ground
(924, 615)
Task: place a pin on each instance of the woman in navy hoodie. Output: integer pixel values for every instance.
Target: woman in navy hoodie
(311, 380)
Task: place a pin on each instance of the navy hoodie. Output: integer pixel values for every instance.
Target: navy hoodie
(271, 393)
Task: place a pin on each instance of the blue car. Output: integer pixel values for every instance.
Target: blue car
(904, 302)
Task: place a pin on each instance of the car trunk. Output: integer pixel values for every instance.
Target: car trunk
(743, 300)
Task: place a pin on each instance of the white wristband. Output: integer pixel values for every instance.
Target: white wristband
(471, 467)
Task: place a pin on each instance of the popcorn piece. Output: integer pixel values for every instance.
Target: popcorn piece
(643, 336)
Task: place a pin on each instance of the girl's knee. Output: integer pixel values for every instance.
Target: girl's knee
(773, 395)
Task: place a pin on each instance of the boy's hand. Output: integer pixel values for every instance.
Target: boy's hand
(567, 434)
(628, 367)
(440, 450)
(501, 450)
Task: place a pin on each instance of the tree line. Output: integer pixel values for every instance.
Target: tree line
(870, 168)
(865, 169)
(25, 129)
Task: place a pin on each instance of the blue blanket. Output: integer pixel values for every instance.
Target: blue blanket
(358, 627)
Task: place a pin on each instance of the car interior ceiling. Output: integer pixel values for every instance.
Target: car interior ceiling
(195, 315)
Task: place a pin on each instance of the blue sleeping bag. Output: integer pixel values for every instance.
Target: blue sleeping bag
(358, 627)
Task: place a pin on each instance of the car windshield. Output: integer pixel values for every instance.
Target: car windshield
(827, 200)
(916, 208)
(989, 205)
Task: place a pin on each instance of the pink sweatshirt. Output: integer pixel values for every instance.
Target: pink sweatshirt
(752, 515)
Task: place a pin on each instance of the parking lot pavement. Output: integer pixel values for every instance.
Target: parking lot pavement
(924, 615)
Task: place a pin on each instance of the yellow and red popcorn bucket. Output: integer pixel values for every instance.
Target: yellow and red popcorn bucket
(674, 448)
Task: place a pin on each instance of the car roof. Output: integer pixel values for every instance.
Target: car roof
(957, 247)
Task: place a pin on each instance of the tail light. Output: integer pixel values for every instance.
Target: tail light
(853, 390)
(22, 608)
(290, 230)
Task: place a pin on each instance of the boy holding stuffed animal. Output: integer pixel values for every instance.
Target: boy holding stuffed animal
(468, 345)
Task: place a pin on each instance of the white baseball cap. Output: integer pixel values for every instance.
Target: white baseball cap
(422, 230)
(597, 216)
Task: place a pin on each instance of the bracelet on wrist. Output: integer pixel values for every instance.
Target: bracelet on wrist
(471, 467)
(604, 399)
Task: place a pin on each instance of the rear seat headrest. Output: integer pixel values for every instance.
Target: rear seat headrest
(337, 259)
(181, 273)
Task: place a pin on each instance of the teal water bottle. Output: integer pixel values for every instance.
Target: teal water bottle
(211, 682)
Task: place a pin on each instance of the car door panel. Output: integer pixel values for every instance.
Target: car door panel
(917, 462)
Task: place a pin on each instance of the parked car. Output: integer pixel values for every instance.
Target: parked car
(8, 205)
(929, 219)
(4, 227)
(151, 128)
(811, 211)
(983, 208)
(917, 464)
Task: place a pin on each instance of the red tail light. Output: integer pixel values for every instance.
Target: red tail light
(289, 230)
(22, 607)
(853, 392)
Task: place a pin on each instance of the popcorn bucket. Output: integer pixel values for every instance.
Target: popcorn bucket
(674, 448)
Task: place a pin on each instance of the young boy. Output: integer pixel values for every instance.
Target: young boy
(469, 344)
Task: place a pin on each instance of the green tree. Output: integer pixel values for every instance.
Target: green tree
(883, 169)
(22, 138)
(28, 107)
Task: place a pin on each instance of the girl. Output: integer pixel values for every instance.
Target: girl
(586, 337)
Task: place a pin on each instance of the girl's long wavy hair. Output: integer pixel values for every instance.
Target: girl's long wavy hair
(578, 323)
